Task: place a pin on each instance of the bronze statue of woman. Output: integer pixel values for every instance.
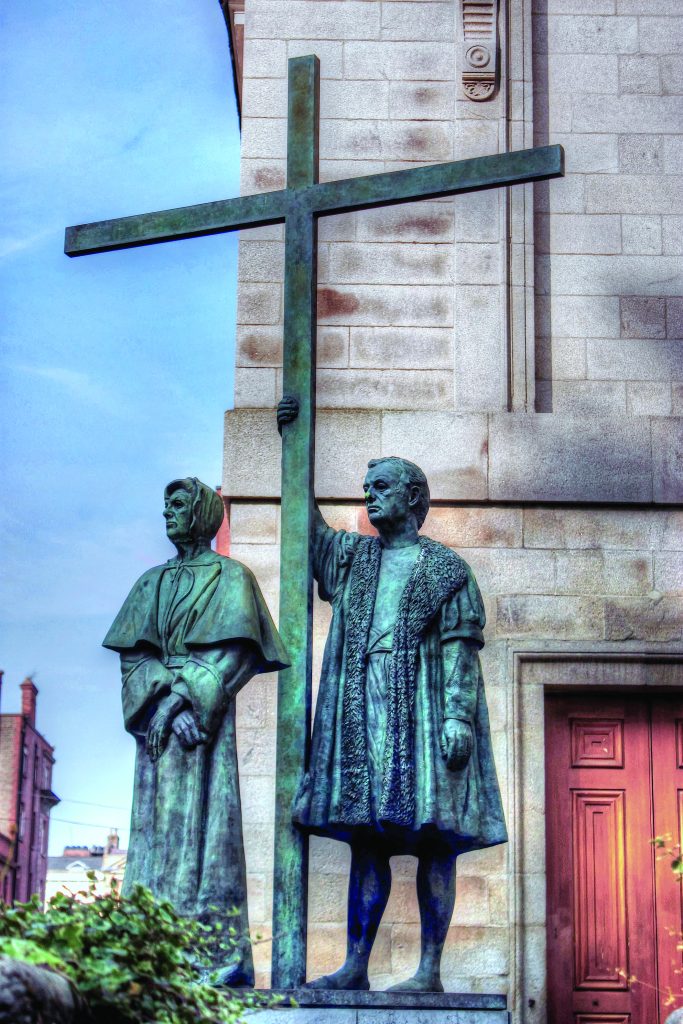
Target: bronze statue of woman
(190, 634)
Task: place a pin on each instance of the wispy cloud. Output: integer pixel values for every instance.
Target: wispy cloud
(78, 384)
(11, 246)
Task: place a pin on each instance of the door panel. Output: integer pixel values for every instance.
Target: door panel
(667, 786)
(601, 899)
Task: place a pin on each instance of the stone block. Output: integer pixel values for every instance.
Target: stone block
(587, 528)
(338, 19)
(259, 346)
(672, 235)
(648, 398)
(400, 61)
(392, 389)
(327, 899)
(339, 434)
(588, 154)
(477, 263)
(674, 318)
(677, 399)
(661, 35)
(265, 59)
(328, 857)
(629, 114)
(329, 52)
(673, 154)
(550, 618)
(409, 21)
(480, 383)
(402, 347)
(576, 316)
(430, 141)
(254, 524)
(610, 275)
(258, 303)
(477, 217)
(340, 227)
(450, 449)
(264, 97)
(412, 222)
(569, 458)
(548, 7)
(549, 196)
(568, 360)
(672, 73)
(604, 572)
(391, 263)
(251, 458)
(642, 317)
(363, 99)
(594, 398)
(261, 260)
(641, 154)
(592, 35)
(635, 360)
(333, 347)
(258, 798)
(578, 73)
(263, 176)
(255, 387)
(264, 138)
(641, 235)
(475, 137)
(639, 73)
(301, 1015)
(667, 454)
(420, 101)
(518, 571)
(334, 170)
(669, 570)
(644, 7)
(644, 618)
(390, 305)
(461, 527)
(572, 233)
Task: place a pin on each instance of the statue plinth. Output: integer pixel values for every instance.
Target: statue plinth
(358, 1007)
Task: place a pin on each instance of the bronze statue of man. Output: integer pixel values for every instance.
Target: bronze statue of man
(190, 634)
(401, 759)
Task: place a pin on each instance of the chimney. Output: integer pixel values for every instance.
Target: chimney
(1, 678)
(112, 842)
(29, 692)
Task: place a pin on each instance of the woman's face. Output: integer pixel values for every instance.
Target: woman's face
(178, 516)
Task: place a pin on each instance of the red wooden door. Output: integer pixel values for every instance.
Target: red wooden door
(613, 909)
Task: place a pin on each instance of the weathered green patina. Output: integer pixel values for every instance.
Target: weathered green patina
(299, 206)
(190, 634)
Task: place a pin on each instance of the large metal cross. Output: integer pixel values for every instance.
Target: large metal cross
(298, 206)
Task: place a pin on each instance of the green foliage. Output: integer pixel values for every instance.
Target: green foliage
(134, 959)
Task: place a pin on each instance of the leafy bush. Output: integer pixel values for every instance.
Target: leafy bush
(133, 959)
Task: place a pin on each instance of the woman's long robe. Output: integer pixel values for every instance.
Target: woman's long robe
(173, 633)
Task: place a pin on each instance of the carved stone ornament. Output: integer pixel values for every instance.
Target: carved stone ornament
(479, 48)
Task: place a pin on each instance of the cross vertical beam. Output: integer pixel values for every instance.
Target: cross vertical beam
(290, 889)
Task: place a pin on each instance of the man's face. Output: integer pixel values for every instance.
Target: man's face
(178, 515)
(386, 496)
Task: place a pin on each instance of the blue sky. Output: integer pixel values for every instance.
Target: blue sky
(116, 368)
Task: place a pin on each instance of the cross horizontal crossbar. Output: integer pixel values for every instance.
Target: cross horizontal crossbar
(324, 199)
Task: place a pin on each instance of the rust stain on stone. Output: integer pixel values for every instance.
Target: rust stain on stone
(269, 178)
(334, 303)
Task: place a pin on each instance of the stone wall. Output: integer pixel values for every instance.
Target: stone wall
(574, 580)
(608, 79)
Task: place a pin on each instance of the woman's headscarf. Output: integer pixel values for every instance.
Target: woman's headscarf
(207, 506)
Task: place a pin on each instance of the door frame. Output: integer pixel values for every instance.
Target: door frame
(535, 669)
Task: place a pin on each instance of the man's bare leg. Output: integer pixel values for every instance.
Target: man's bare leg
(436, 899)
(369, 888)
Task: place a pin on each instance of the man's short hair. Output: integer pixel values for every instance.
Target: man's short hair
(412, 476)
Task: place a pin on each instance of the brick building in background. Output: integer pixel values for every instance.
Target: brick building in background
(26, 799)
(525, 347)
